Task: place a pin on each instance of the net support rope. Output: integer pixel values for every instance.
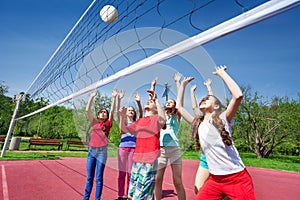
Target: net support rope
(255, 15)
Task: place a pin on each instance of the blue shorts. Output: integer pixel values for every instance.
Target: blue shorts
(203, 162)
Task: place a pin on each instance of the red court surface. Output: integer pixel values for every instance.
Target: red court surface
(64, 179)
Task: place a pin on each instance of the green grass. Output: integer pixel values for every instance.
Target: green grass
(278, 162)
(41, 155)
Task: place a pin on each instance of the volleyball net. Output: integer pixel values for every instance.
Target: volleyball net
(96, 53)
(163, 35)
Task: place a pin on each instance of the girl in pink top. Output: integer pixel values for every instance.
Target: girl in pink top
(97, 154)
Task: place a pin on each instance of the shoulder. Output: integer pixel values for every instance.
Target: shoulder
(223, 117)
(94, 121)
(108, 123)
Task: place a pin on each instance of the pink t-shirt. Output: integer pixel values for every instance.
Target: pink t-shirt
(147, 148)
(99, 136)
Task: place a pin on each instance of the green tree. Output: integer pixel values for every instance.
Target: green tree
(57, 122)
(6, 110)
(82, 123)
(29, 125)
(184, 134)
(263, 126)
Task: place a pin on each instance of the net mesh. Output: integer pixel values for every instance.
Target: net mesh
(57, 79)
(95, 50)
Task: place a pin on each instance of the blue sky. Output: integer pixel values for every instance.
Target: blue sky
(264, 56)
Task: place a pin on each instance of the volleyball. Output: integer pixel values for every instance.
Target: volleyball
(109, 14)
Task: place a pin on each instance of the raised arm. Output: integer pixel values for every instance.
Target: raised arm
(160, 111)
(184, 113)
(207, 84)
(177, 78)
(89, 105)
(113, 105)
(122, 113)
(153, 83)
(138, 102)
(234, 89)
(194, 101)
(120, 97)
(195, 106)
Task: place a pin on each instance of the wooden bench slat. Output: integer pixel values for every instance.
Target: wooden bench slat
(38, 141)
(2, 141)
(75, 143)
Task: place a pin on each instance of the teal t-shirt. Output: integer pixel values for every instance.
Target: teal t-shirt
(169, 136)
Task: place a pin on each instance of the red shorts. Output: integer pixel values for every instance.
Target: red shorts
(237, 186)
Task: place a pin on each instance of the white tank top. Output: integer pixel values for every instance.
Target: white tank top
(221, 159)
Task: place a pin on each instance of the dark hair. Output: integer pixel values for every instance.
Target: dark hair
(171, 111)
(101, 111)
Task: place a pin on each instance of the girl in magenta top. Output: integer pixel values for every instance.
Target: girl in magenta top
(97, 152)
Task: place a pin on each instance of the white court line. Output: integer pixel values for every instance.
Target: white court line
(4, 184)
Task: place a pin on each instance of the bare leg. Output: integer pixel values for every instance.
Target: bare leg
(201, 176)
(177, 181)
(159, 181)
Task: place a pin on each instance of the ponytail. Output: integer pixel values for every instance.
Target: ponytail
(218, 123)
(194, 131)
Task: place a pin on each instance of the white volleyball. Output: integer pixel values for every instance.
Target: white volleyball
(109, 14)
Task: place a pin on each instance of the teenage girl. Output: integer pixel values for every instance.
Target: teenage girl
(228, 174)
(126, 146)
(97, 151)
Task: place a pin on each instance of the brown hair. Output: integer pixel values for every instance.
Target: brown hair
(171, 111)
(134, 117)
(216, 121)
(194, 131)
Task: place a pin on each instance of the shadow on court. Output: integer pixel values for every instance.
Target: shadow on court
(64, 179)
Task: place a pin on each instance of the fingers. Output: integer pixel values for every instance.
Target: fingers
(137, 96)
(194, 87)
(207, 82)
(121, 94)
(115, 92)
(94, 93)
(219, 69)
(177, 76)
(186, 80)
(154, 81)
(122, 110)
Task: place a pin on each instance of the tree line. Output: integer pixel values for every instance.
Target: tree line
(260, 126)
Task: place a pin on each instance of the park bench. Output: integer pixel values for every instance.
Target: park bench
(51, 142)
(2, 140)
(76, 143)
